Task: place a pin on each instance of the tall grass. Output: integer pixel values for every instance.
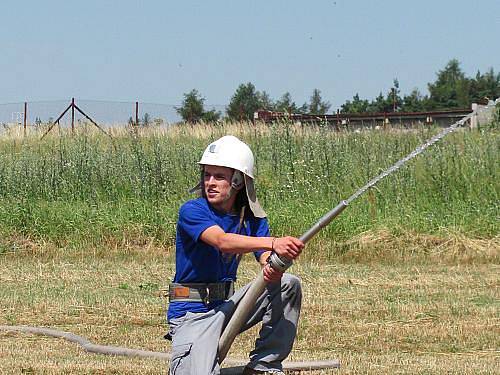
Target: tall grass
(87, 188)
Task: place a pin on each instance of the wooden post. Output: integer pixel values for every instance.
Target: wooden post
(25, 116)
(72, 115)
(136, 113)
(338, 120)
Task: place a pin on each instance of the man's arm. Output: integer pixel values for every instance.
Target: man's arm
(289, 247)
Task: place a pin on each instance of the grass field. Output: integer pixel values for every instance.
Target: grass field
(413, 315)
(405, 281)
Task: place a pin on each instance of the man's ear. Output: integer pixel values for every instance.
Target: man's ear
(237, 181)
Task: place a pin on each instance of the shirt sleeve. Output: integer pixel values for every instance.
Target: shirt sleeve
(261, 230)
(194, 219)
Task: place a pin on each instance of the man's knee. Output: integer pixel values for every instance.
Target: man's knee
(291, 285)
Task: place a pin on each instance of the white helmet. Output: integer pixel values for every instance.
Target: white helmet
(230, 152)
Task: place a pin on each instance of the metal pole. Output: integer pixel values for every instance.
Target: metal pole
(25, 116)
(72, 115)
(56, 122)
(92, 121)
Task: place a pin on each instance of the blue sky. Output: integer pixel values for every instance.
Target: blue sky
(154, 51)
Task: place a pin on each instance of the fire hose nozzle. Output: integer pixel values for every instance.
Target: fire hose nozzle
(279, 263)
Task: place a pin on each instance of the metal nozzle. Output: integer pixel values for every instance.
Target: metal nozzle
(279, 263)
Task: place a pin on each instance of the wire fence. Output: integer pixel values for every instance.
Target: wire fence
(105, 113)
(22, 117)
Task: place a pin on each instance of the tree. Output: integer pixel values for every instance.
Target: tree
(265, 101)
(357, 105)
(379, 104)
(485, 86)
(390, 103)
(304, 108)
(393, 96)
(211, 116)
(191, 109)
(286, 104)
(316, 105)
(244, 103)
(415, 102)
(451, 88)
(146, 119)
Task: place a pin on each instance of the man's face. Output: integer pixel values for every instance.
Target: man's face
(217, 185)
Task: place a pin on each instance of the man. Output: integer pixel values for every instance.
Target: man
(213, 232)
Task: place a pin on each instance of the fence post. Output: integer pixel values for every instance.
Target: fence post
(25, 116)
(136, 113)
(72, 115)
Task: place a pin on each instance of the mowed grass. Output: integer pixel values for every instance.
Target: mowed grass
(417, 313)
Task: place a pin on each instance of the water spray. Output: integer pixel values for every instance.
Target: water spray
(258, 286)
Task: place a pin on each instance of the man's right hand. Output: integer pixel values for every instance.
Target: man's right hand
(289, 247)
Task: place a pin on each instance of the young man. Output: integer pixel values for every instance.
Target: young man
(213, 232)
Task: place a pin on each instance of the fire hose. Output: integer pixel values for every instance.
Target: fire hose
(235, 369)
(280, 263)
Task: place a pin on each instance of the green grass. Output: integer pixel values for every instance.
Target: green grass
(85, 189)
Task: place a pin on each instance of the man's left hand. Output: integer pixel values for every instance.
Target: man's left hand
(271, 275)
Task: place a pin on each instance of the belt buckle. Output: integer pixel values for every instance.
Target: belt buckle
(206, 299)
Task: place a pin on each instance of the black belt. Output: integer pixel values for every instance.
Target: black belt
(200, 292)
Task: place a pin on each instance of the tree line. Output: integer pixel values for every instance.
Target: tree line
(452, 89)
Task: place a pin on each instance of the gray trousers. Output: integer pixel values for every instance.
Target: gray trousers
(195, 336)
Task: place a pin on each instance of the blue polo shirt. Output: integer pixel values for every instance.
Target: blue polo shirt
(198, 262)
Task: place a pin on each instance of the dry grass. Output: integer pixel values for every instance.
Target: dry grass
(199, 130)
(406, 317)
(385, 246)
